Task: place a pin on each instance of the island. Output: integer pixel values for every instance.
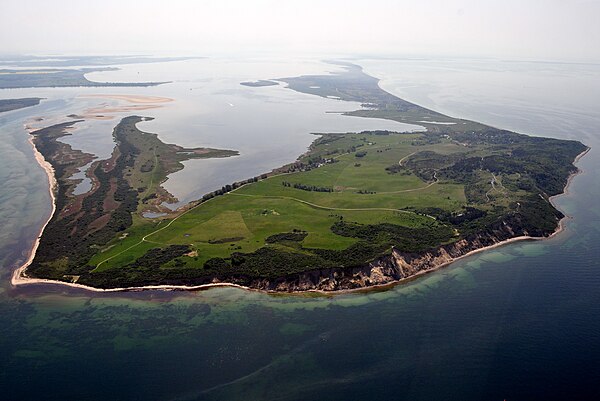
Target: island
(259, 83)
(15, 104)
(357, 210)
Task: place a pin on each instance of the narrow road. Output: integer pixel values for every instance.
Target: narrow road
(406, 157)
(494, 181)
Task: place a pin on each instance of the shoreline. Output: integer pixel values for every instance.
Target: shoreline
(18, 274)
(20, 278)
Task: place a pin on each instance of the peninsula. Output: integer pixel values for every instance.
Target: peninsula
(358, 209)
(55, 78)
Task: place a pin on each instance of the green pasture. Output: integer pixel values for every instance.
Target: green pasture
(241, 220)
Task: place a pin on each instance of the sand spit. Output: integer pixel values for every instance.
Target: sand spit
(131, 98)
(141, 103)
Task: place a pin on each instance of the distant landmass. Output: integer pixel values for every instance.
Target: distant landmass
(52, 78)
(359, 209)
(69, 61)
(259, 83)
(14, 104)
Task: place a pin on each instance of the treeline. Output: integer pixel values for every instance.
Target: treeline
(306, 164)
(303, 187)
(230, 187)
(379, 132)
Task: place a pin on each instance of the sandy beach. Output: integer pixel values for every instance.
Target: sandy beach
(19, 276)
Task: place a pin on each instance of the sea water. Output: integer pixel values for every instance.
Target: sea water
(519, 322)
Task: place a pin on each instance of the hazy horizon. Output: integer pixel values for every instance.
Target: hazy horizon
(540, 30)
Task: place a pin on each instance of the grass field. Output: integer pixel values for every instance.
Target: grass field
(241, 220)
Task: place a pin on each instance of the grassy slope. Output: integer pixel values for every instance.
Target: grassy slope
(255, 211)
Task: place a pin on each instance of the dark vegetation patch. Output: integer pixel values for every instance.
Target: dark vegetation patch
(397, 169)
(225, 240)
(295, 236)
(455, 218)
(542, 165)
(405, 238)
(305, 187)
(155, 258)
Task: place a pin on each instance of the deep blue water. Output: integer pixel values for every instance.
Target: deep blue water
(521, 322)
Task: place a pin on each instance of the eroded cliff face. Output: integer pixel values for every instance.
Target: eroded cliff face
(390, 268)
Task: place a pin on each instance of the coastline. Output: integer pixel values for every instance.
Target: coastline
(19, 273)
(20, 278)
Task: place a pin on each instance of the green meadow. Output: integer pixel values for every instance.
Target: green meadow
(362, 191)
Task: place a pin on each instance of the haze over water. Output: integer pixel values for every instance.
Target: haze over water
(518, 322)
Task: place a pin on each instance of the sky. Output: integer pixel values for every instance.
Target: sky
(566, 30)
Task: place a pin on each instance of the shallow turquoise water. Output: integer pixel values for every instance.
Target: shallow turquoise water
(516, 323)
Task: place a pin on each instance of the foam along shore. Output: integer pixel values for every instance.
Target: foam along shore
(19, 276)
